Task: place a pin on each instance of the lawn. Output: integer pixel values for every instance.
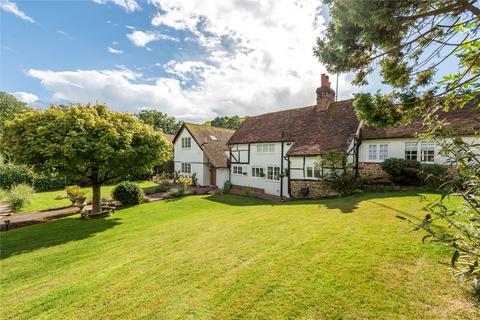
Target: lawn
(57, 198)
(229, 257)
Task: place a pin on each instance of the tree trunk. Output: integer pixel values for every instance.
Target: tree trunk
(96, 196)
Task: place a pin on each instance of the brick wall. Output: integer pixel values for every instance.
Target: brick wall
(316, 189)
(371, 169)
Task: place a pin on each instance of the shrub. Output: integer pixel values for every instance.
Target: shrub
(12, 174)
(345, 183)
(75, 193)
(433, 175)
(185, 181)
(402, 171)
(128, 193)
(20, 196)
(163, 187)
(3, 194)
(227, 186)
(176, 193)
(195, 179)
(161, 178)
(247, 192)
(338, 175)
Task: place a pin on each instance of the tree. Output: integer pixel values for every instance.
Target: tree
(10, 107)
(160, 121)
(410, 41)
(84, 141)
(233, 122)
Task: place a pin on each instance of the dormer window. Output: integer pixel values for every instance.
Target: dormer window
(186, 143)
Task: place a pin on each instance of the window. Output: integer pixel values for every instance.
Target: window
(314, 172)
(383, 153)
(213, 138)
(257, 172)
(372, 152)
(427, 151)
(411, 151)
(266, 148)
(186, 167)
(237, 169)
(186, 143)
(273, 173)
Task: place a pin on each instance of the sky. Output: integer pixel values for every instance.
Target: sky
(194, 60)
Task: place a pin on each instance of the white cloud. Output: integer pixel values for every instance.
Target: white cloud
(11, 7)
(130, 27)
(26, 97)
(256, 57)
(128, 5)
(112, 50)
(63, 33)
(141, 38)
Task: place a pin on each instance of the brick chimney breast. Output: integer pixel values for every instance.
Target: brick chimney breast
(325, 94)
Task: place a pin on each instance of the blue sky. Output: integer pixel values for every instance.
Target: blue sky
(191, 59)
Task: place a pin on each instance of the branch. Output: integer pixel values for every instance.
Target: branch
(452, 8)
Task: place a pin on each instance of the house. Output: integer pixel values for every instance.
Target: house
(277, 152)
(202, 150)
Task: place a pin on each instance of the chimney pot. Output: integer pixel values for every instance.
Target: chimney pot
(325, 94)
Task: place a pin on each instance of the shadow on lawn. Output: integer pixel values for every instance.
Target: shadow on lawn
(50, 234)
(344, 204)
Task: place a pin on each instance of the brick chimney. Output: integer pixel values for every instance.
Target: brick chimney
(325, 94)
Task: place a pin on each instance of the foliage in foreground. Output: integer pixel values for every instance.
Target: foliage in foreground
(462, 232)
(128, 193)
(87, 142)
(410, 42)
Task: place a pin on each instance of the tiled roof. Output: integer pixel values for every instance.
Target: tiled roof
(213, 141)
(464, 121)
(169, 137)
(312, 132)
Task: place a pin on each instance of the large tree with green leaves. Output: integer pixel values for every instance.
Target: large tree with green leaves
(10, 107)
(84, 141)
(226, 122)
(159, 121)
(410, 42)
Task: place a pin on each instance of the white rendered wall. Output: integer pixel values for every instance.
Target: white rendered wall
(261, 160)
(396, 148)
(222, 177)
(193, 155)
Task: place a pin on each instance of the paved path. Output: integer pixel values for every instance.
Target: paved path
(23, 219)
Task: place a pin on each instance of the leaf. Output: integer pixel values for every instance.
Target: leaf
(455, 257)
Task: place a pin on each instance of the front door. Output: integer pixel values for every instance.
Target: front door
(213, 176)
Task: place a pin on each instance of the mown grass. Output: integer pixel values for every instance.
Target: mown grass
(57, 198)
(229, 257)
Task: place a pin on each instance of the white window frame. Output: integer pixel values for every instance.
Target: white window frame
(274, 175)
(372, 147)
(184, 167)
(409, 148)
(186, 142)
(259, 170)
(426, 146)
(266, 148)
(237, 170)
(316, 172)
(386, 147)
